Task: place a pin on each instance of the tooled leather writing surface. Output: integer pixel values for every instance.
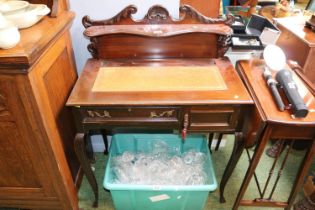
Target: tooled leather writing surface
(234, 93)
(167, 78)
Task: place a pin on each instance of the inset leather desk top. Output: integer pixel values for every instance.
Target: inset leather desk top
(165, 78)
(214, 82)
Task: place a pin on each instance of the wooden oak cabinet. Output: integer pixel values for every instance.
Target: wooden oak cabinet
(38, 167)
(210, 8)
(298, 43)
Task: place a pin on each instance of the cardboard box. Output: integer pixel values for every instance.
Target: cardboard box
(263, 28)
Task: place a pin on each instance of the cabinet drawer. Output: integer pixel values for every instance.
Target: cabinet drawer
(216, 118)
(131, 114)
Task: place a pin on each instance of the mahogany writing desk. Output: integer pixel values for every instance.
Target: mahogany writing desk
(269, 123)
(180, 81)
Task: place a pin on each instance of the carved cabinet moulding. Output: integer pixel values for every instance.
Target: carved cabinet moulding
(158, 15)
(223, 44)
(92, 47)
(189, 11)
(124, 14)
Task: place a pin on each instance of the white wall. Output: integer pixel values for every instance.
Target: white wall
(104, 9)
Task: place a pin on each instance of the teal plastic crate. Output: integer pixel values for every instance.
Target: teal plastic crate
(154, 197)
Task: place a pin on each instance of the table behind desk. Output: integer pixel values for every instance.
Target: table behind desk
(298, 43)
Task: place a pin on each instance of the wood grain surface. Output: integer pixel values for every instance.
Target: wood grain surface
(38, 167)
(296, 26)
(252, 74)
(298, 42)
(207, 8)
(163, 30)
(158, 35)
(235, 92)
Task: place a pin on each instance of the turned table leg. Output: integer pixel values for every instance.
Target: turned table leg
(80, 143)
(235, 156)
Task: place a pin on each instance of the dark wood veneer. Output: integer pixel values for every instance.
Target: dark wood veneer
(158, 15)
(157, 40)
(209, 8)
(157, 35)
(298, 42)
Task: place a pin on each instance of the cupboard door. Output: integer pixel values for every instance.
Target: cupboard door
(22, 175)
(37, 132)
(51, 81)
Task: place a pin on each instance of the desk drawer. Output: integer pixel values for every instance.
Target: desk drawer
(135, 115)
(216, 118)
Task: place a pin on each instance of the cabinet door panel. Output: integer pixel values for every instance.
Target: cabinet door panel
(58, 92)
(294, 48)
(51, 80)
(34, 173)
(22, 175)
(15, 164)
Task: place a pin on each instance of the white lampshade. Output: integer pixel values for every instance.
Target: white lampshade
(274, 57)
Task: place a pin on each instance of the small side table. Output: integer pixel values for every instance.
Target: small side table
(277, 125)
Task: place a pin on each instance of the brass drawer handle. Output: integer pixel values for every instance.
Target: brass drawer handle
(153, 114)
(105, 114)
